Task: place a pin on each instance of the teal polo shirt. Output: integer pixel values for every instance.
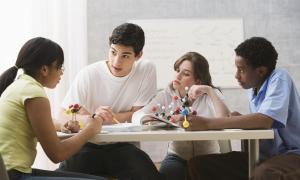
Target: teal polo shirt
(279, 99)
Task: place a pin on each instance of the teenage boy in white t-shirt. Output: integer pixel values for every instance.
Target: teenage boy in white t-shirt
(114, 88)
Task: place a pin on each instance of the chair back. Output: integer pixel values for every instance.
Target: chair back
(225, 146)
(3, 172)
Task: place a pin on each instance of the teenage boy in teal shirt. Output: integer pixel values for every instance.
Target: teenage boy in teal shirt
(274, 103)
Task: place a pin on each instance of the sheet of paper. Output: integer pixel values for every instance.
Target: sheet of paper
(122, 127)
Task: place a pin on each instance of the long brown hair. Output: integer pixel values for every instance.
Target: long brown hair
(200, 67)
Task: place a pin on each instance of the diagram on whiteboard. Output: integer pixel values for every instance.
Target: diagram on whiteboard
(215, 39)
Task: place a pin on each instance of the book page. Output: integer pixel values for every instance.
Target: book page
(152, 118)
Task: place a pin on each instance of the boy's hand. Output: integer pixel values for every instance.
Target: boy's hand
(196, 123)
(177, 118)
(105, 112)
(235, 113)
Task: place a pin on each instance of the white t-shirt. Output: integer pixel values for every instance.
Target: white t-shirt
(204, 107)
(95, 86)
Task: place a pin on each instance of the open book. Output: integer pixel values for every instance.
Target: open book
(151, 119)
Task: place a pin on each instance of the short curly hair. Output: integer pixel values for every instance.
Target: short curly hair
(258, 51)
(128, 34)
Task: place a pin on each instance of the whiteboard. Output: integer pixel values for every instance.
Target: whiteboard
(215, 39)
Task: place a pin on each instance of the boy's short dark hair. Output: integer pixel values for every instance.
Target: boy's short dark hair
(258, 51)
(128, 34)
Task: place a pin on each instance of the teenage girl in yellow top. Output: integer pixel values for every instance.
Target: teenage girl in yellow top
(25, 114)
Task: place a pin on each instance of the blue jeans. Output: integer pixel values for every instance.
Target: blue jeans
(173, 167)
(38, 174)
(119, 160)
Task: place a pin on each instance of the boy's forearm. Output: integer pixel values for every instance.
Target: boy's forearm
(126, 116)
(250, 121)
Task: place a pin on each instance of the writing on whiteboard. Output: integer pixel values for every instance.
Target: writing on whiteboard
(215, 39)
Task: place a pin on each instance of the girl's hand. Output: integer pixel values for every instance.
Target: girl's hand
(94, 124)
(198, 90)
(70, 127)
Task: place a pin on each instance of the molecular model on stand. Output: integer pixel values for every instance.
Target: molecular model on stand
(177, 106)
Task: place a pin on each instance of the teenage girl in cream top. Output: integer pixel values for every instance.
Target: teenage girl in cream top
(192, 71)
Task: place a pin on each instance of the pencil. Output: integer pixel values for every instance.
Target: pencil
(116, 121)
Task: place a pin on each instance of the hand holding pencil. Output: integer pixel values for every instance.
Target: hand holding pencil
(106, 113)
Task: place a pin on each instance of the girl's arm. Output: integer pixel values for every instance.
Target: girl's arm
(220, 108)
(147, 109)
(39, 115)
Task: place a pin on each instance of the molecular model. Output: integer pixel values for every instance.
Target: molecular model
(177, 106)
